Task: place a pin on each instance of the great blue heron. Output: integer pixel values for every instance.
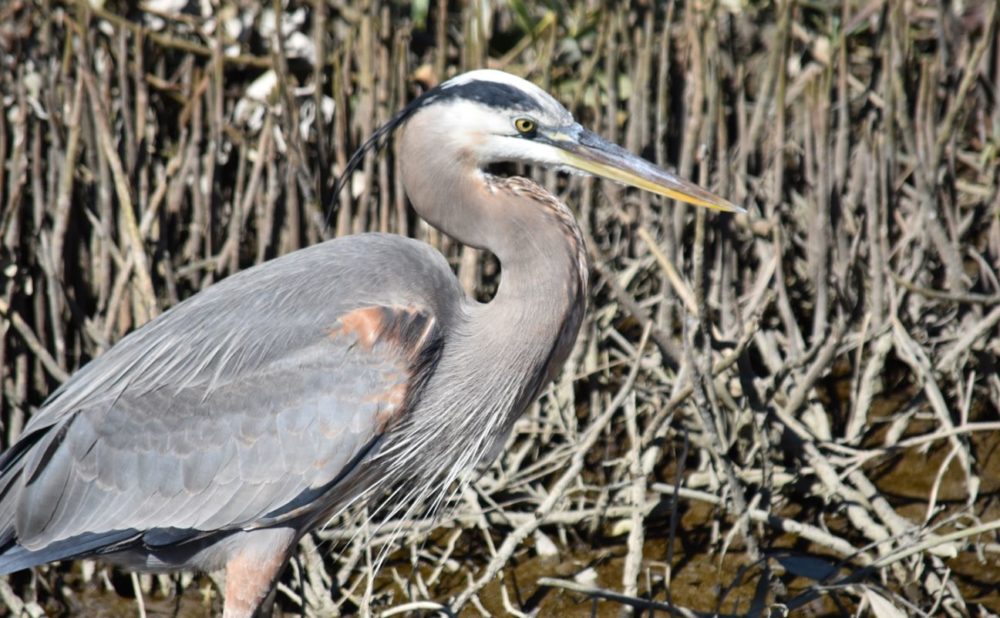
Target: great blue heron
(219, 433)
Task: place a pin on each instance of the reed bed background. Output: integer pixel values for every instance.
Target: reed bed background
(792, 410)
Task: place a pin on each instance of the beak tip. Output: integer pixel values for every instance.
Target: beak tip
(714, 202)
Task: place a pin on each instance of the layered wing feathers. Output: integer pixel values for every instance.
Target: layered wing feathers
(234, 403)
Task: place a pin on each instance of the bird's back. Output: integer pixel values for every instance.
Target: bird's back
(238, 407)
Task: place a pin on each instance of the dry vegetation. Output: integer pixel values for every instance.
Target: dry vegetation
(795, 409)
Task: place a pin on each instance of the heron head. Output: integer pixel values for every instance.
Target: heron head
(498, 117)
(493, 117)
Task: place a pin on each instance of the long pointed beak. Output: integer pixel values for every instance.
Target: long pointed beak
(588, 152)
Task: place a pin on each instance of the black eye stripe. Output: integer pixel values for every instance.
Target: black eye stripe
(491, 94)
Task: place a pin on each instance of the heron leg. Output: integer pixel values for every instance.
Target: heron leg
(253, 568)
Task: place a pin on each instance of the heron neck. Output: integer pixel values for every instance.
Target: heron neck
(525, 332)
(535, 237)
(541, 298)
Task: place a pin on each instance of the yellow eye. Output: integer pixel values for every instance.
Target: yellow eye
(524, 125)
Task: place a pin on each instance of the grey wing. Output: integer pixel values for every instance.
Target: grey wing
(208, 431)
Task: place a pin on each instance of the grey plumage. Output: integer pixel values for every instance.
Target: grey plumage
(220, 432)
(125, 435)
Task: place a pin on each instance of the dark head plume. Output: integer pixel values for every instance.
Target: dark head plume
(375, 143)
